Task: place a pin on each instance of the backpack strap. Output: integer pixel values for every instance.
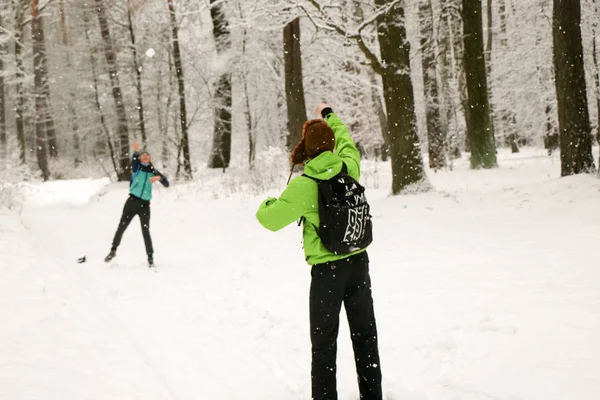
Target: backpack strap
(344, 170)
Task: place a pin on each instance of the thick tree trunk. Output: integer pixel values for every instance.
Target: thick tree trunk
(184, 146)
(571, 94)
(221, 150)
(105, 130)
(481, 132)
(435, 134)
(111, 61)
(405, 150)
(40, 79)
(72, 96)
(3, 47)
(596, 72)
(294, 88)
(138, 80)
(19, 7)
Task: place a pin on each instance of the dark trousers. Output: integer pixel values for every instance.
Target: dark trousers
(346, 281)
(133, 207)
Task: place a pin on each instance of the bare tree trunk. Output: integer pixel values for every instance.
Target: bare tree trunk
(185, 143)
(221, 150)
(72, 97)
(248, 111)
(294, 88)
(490, 40)
(509, 117)
(40, 79)
(165, 130)
(3, 47)
(381, 116)
(448, 112)
(596, 72)
(488, 64)
(19, 7)
(138, 79)
(456, 25)
(357, 10)
(105, 130)
(111, 60)
(162, 126)
(40, 65)
(481, 132)
(405, 151)
(435, 135)
(573, 116)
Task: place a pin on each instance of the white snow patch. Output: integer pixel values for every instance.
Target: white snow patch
(486, 288)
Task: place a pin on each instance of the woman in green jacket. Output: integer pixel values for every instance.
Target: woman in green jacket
(326, 147)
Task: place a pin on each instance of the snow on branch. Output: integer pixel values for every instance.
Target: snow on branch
(357, 36)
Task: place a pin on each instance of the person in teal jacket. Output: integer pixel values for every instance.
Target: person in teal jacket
(326, 146)
(143, 176)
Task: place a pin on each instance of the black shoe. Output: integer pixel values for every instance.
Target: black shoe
(110, 255)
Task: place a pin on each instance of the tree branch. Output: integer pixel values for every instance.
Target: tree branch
(371, 57)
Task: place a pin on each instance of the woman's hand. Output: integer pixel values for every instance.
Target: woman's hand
(320, 109)
(136, 146)
(155, 179)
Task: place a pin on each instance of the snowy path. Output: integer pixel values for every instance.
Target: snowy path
(488, 289)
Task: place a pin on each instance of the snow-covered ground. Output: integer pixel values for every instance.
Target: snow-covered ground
(486, 289)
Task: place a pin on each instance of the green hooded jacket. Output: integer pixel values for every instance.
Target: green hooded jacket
(301, 198)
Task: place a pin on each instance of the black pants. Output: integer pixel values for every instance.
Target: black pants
(133, 207)
(346, 281)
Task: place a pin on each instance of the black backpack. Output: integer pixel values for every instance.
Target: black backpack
(346, 224)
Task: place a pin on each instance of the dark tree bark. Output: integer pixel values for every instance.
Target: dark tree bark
(72, 96)
(221, 150)
(184, 145)
(294, 88)
(405, 150)
(105, 130)
(596, 72)
(111, 60)
(138, 79)
(435, 134)
(19, 6)
(3, 48)
(571, 94)
(479, 119)
(40, 79)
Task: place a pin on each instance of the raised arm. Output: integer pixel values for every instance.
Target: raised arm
(344, 145)
(135, 158)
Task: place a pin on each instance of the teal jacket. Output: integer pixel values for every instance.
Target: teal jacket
(301, 198)
(139, 184)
